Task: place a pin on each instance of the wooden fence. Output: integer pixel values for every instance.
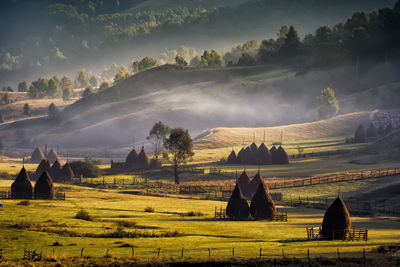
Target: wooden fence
(220, 213)
(58, 195)
(314, 233)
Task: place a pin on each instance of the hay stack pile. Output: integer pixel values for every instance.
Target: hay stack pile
(44, 187)
(21, 188)
(336, 223)
(232, 158)
(44, 165)
(264, 155)
(254, 184)
(262, 206)
(131, 159)
(37, 156)
(143, 160)
(243, 182)
(253, 155)
(237, 205)
(281, 157)
(55, 171)
(66, 173)
(137, 162)
(52, 156)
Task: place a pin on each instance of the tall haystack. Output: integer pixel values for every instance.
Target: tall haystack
(372, 132)
(52, 156)
(131, 160)
(249, 156)
(255, 182)
(143, 160)
(360, 135)
(37, 156)
(273, 154)
(67, 173)
(254, 147)
(262, 206)
(336, 223)
(21, 188)
(389, 128)
(281, 156)
(240, 156)
(243, 182)
(43, 165)
(237, 206)
(232, 158)
(55, 171)
(264, 156)
(44, 187)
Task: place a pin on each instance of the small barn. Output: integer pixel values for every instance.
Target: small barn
(131, 160)
(243, 182)
(232, 158)
(52, 156)
(37, 156)
(21, 188)
(237, 206)
(143, 160)
(264, 156)
(262, 206)
(255, 182)
(67, 173)
(43, 165)
(336, 223)
(44, 187)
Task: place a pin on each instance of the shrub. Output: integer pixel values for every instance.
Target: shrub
(85, 168)
(126, 224)
(149, 209)
(193, 213)
(24, 203)
(83, 215)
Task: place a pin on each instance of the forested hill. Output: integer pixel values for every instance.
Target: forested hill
(59, 35)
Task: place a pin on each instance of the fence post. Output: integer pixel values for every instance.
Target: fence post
(233, 252)
(182, 253)
(82, 253)
(308, 257)
(209, 253)
(158, 253)
(133, 251)
(338, 253)
(260, 252)
(283, 253)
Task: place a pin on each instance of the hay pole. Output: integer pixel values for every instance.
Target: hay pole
(158, 254)
(82, 253)
(133, 251)
(182, 253)
(233, 252)
(260, 253)
(283, 253)
(308, 257)
(107, 252)
(209, 253)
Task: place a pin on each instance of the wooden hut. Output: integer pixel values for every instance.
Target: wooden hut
(262, 206)
(360, 135)
(143, 160)
(255, 182)
(240, 157)
(43, 165)
(371, 132)
(264, 156)
(37, 156)
(52, 156)
(273, 154)
(131, 160)
(21, 188)
(281, 157)
(67, 173)
(55, 171)
(237, 206)
(243, 182)
(44, 187)
(336, 223)
(232, 158)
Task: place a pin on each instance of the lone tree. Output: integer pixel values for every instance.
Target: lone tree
(180, 60)
(179, 145)
(27, 110)
(157, 136)
(328, 105)
(23, 86)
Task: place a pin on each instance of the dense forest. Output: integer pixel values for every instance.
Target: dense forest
(61, 35)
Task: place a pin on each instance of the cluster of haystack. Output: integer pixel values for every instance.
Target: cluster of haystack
(261, 155)
(141, 161)
(38, 155)
(56, 172)
(336, 223)
(261, 206)
(371, 133)
(21, 188)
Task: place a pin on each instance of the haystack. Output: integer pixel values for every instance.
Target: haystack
(155, 164)
(43, 165)
(21, 188)
(372, 132)
(67, 173)
(143, 160)
(237, 205)
(255, 182)
(240, 156)
(52, 156)
(249, 156)
(232, 158)
(389, 128)
(243, 182)
(254, 147)
(281, 156)
(360, 135)
(262, 206)
(131, 160)
(37, 156)
(264, 156)
(44, 187)
(273, 154)
(336, 223)
(55, 171)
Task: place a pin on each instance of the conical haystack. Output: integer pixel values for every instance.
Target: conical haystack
(243, 182)
(264, 156)
(44, 187)
(237, 205)
(67, 173)
(240, 156)
(43, 165)
(131, 160)
(232, 158)
(273, 154)
(262, 206)
(254, 147)
(360, 135)
(21, 188)
(336, 223)
(37, 156)
(281, 156)
(143, 160)
(255, 182)
(249, 156)
(372, 132)
(55, 171)
(52, 156)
